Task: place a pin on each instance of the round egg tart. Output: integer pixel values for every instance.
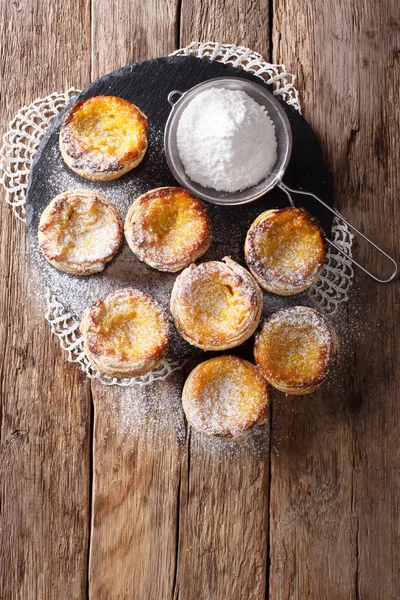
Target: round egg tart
(285, 250)
(225, 397)
(103, 137)
(216, 305)
(80, 231)
(168, 228)
(296, 349)
(125, 335)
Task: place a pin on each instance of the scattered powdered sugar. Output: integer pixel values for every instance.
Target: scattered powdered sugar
(226, 140)
(296, 344)
(301, 319)
(285, 248)
(216, 300)
(156, 409)
(156, 413)
(332, 402)
(255, 445)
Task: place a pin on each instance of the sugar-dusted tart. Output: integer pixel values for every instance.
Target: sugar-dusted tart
(285, 250)
(168, 228)
(103, 137)
(216, 305)
(80, 231)
(296, 349)
(125, 335)
(225, 397)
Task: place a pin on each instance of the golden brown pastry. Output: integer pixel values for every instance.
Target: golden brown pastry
(103, 137)
(225, 397)
(167, 228)
(80, 231)
(125, 335)
(296, 349)
(216, 305)
(285, 250)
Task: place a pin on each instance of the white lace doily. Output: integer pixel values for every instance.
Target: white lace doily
(22, 140)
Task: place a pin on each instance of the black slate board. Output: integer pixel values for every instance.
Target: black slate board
(147, 84)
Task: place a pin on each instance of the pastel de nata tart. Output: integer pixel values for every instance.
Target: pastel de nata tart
(225, 397)
(80, 231)
(125, 335)
(216, 305)
(296, 349)
(168, 228)
(103, 137)
(285, 250)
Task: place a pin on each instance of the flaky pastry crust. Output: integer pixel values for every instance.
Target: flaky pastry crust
(296, 349)
(285, 250)
(103, 137)
(168, 228)
(125, 335)
(216, 305)
(80, 231)
(225, 397)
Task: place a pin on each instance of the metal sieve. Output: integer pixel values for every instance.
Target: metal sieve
(276, 113)
(179, 101)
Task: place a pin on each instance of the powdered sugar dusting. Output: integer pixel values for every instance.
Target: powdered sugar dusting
(296, 347)
(285, 249)
(81, 230)
(226, 140)
(216, 304)
(225, 396)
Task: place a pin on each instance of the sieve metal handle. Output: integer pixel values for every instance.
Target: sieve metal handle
(288, 191)
(171, 96)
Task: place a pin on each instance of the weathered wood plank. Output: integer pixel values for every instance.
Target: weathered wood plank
(136, 456)
(124, 32)
(135, 490)
(45, 404)
(334, 528)
(237, 22)
(223, 529)
(223, 532)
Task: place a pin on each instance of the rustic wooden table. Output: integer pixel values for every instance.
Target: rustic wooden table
(312, 509)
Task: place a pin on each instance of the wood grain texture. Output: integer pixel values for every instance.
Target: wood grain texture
(223, 518)
(228, 22)
(136, 469)
(137, 438)
(175, 515)
(45, 404)
(223, 532)
(124, 32)
(335, 461)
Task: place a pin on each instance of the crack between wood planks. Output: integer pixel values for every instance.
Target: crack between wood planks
(178, 20)
(91, 12)
(353, 425)
(3, 379)
(175, 587)
(269, 483)
(357, 531)
(175, 592)
(357, 579)
(90, 492)
(90, 394)
(270, 29)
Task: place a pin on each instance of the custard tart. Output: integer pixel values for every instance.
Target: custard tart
(296, 349)
(216, 305)
(125, 335)
(167, 228)
(103, 137)
(80, 231)
(285, 250)
(225, 397)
